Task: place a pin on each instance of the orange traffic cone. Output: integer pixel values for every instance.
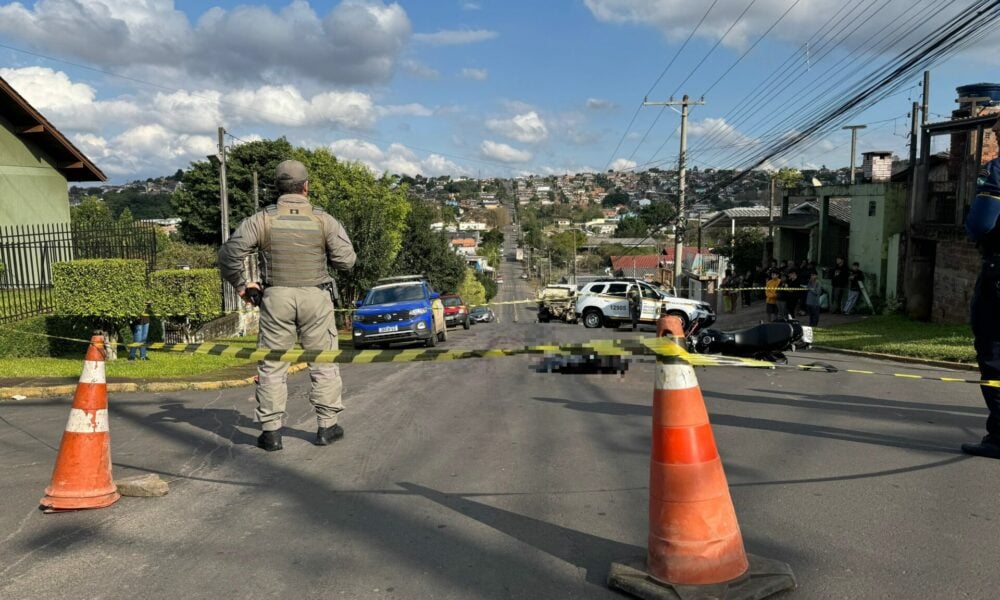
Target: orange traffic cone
(82, 475)
(695, 546)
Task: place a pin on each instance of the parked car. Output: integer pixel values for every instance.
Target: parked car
(456, 312)
(482, 314)
(499, 280)
(603, 303)
(399, 309)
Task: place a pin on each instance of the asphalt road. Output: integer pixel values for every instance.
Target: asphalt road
(489, 479)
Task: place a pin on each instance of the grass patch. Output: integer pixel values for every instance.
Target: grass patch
(160, 365)
(895, 334)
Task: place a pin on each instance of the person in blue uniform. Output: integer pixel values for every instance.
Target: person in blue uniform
(981, 227)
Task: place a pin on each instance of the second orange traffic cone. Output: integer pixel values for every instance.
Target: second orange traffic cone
(82, 475)
(695, 545)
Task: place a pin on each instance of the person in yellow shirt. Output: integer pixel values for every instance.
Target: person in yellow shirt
(771, 295)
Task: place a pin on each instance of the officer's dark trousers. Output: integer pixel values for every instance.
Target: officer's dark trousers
(986, 330)
(635, 312)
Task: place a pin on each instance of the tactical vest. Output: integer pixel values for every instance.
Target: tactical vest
(294, 245)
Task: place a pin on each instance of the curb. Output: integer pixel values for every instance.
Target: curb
(944, 364)
(6, 393)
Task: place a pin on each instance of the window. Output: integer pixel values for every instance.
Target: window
(598, 289)
(617, 289)
(649, 292)
(872, 208)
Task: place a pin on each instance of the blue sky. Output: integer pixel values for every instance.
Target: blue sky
(464, 87)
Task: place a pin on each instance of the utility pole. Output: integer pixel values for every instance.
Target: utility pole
(256, 191)
(685, 104)
(223, 187)
(925, 108)
(854, 145)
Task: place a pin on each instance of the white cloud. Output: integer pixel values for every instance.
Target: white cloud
(471, 6)
(721, 132)
(678, 18)
(419, 69)
(600, 104)
(413, 109)
(66, 104)
(355, 42)
(527, 128)
(396, 159)
(451, 37)
(622, 164)
(503, 153)
(475, 74)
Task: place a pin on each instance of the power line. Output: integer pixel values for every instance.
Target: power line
(638, 109)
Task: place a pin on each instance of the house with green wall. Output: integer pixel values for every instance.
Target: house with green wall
(37, 162)
(862, 222)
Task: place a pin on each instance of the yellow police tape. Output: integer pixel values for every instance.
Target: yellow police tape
(664, 348)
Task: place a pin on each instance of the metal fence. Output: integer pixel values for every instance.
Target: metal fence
(27, 253)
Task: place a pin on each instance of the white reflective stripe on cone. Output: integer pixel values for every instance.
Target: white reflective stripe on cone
(93, 372)
(87, 421)
(675, 377)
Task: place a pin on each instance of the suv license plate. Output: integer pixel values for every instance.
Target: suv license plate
(388, 329)
(807, 334)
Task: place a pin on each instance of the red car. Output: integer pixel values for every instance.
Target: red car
(455, 311)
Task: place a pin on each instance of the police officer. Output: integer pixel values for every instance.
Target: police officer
(634, 305)
(981, 226)
(297, 242)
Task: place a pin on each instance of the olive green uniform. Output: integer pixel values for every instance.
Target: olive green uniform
(297, 242)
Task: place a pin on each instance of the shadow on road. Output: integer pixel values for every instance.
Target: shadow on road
(585, 551)
(223, 422)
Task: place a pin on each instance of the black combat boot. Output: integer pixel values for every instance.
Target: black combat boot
(989, 447)
(270, 441)
(328, 435)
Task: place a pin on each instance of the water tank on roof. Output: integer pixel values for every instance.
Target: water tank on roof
(981, 90)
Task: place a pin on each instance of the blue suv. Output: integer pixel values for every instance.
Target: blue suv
(399, 309)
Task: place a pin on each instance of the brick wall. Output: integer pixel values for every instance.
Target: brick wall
(956, 267)
(877, 169)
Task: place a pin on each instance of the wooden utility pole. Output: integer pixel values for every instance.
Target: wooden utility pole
(685, 104)
(223, 188)
(854, 146)
(256, 191)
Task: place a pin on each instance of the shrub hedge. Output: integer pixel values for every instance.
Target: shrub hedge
(195, 293)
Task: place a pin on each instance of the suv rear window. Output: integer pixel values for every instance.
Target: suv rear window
(452, 301)
(401, 293)
(598, 289)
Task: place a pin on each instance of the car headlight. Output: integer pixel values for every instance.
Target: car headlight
(416, 312)
(461, 311)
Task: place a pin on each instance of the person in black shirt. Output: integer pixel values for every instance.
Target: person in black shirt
(855, 278)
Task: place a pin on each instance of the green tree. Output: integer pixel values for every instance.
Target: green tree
(488, 284)
(632, 227)
(91, 213)
(470, 289)
(196, 202)
(745, 249)
(657, 215)
(615, 198)
(427, 252)
(563, 244)
(371, 209)
(788, 177)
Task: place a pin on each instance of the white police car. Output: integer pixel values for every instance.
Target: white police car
(604, 303)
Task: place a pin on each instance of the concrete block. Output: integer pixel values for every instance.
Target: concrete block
(146, 486)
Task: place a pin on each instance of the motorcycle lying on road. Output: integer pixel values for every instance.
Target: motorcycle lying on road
(766, 341)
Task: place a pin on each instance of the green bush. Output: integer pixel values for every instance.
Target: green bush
(195, 293)
(107, 289)
(103, 293)
(187, 297)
